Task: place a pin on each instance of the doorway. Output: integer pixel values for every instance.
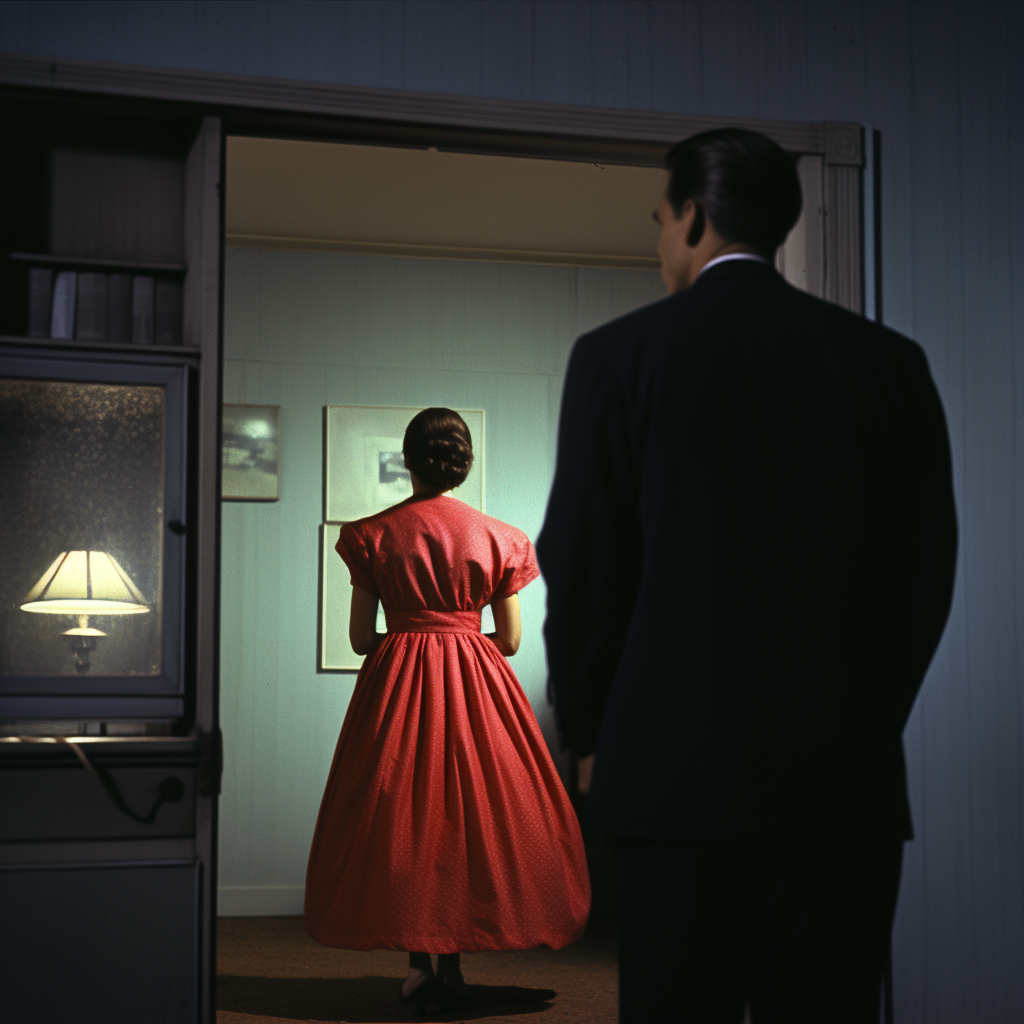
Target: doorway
(363, 275)
(378, 276)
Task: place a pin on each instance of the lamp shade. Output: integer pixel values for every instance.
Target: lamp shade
(85, 583)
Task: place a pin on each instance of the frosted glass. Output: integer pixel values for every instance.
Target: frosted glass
(81, 469)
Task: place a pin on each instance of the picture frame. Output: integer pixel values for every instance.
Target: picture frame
(250, 452)
(364, 471)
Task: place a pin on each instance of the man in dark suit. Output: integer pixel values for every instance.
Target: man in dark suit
(749, 551)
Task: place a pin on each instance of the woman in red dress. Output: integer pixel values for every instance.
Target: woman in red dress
(444, 826)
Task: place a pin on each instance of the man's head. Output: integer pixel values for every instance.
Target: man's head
(728, 190)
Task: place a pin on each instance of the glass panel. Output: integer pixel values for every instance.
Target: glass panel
(81, 528)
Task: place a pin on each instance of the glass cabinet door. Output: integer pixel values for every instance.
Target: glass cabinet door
(92, 532)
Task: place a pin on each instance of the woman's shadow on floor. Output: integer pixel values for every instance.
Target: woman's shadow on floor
(371, 999)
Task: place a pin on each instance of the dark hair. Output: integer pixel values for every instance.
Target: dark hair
(741, 180)
(438, 448)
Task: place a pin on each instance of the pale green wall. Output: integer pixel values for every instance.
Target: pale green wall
(305, 330)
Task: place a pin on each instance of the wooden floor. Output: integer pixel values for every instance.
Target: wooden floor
(271, 972)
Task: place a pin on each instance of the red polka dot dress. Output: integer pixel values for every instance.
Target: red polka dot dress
(444, 826)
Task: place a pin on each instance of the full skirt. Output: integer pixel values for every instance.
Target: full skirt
(444, 825)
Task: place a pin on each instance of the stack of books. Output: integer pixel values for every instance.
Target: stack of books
(116, 307)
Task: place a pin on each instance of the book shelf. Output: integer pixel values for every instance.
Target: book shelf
(96, 248)
(42, 259)
(75, 344)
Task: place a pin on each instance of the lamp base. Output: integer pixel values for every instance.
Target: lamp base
(83, 643)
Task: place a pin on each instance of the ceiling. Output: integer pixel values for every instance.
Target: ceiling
(421, 202)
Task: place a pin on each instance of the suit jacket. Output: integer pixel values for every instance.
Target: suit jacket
(749, 551)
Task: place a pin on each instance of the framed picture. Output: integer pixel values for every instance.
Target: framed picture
(364, 471)
(250, 453)
(335, 652)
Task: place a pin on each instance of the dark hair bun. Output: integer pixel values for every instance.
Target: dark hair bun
(438, 448)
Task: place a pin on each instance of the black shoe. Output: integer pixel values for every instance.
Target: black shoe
(454, 980)
(430, 990)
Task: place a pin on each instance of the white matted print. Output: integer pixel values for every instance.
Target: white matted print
(364, 471)
(250, 452)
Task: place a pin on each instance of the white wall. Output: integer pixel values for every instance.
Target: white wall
(305, 330)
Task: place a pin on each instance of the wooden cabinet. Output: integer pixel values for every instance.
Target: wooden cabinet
(109, 770)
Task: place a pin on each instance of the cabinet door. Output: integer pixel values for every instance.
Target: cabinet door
(93, 536)
(121, 948)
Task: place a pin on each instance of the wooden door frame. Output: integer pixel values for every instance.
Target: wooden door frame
(278, 108)
(283, 108)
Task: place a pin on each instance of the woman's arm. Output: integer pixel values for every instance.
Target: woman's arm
(362, 622)
(507, 628)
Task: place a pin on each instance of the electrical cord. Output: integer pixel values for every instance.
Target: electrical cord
(171, 789)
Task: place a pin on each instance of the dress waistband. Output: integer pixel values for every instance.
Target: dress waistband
(425, 621)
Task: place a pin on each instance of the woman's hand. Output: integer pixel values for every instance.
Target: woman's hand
(584, 766)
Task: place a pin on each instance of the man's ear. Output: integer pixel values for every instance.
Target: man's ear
(696, 231)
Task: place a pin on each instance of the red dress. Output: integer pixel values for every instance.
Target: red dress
(444, 826)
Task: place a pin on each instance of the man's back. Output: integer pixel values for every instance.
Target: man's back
(749, 552)
(766, 477)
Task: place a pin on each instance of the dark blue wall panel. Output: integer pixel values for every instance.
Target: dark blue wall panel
(942, 82)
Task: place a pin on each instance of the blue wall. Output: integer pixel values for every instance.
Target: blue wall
(307, 329)
(943, 83)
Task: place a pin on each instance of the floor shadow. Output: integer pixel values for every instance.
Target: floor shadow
(370, 999)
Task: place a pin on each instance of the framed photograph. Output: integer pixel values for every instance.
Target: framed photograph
(364, 471)
(250, 453)
(335, 652)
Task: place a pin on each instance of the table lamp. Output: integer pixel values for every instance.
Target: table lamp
(80, 584)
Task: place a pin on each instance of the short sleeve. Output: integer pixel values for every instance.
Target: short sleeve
(356, 555)
(519, 568)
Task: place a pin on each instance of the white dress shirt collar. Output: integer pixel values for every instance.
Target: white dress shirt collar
(732, 256)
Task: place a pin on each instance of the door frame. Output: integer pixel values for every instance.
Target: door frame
(285, 108)
(277, 108)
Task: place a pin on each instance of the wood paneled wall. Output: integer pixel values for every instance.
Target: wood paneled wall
(304, 330)
(942, 82)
